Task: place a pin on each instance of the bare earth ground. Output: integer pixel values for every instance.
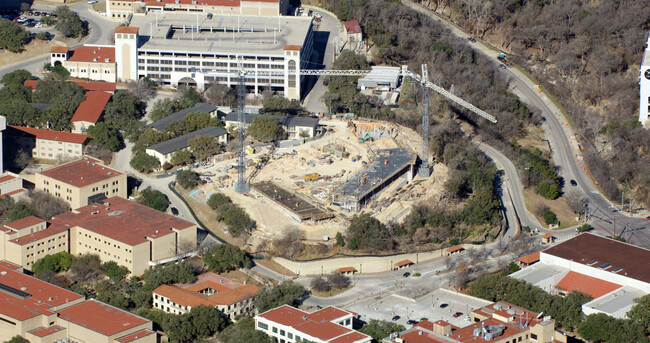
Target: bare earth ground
(33, 49)
(241, 277)
(558, 206)
(100, 6)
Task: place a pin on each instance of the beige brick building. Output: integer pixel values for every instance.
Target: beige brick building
(46, 144)
(230, 297)
(92, 62)
(45, 313)
(133, 235)
(82, 182)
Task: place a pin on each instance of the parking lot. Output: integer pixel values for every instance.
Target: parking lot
(32, 21)
(439, 304)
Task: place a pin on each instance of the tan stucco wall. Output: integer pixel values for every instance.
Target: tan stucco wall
(84, 70)
(82, 334)
(48, 149)
(78, 196)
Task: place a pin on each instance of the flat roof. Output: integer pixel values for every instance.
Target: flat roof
(256, 34)
(386, 164)
(382, 74)
(83, 172)
(92, 107)
(41, 296)
(630, 260)
(616, 303)
(100, 317)
(20, 131)
(162, 124)
(183, 141)
(539, 272)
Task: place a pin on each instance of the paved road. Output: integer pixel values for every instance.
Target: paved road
(561, 138)
(99, 30)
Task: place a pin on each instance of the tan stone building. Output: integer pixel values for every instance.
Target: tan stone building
(230, 297)
(82, 182)
(92, 62)
(46, 144)
(45, 313)
(133, 235)
(122, 9)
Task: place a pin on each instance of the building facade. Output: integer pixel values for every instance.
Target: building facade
(644, 87)
(287, 324)
(89, 111)
(230, 297)
(164, 151)
(123, 9)
(47, 144)
(92, 62)
(295, 127)
(119, 230)
(45, 313)
(82, 182)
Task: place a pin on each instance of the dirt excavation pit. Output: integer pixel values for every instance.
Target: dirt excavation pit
(293, 187)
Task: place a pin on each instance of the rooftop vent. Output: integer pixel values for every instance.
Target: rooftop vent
(107, 60)
(94, 51)
(110, 173)
(3, 273)
(95, 59)
(604, 266)
(592, 263)
(617, 270)
(50, 299)
(304, 317)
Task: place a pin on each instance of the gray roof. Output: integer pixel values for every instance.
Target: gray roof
(161, 124)
(283, 120)
(182, 142)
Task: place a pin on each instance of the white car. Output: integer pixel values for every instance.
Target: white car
(92, 2)
(39, 25)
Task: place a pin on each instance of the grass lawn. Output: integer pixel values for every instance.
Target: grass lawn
(332, 292)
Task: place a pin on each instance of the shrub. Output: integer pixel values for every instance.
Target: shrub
(187, 179)
(550, 217)
(144, 162)
(154, 199)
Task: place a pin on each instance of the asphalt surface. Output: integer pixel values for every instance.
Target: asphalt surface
(99, 30)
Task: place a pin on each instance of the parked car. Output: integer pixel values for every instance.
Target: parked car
(458, 314)
(396, 318)
(407, 274)
(174, 211)
(502, 66)
(574, 183)
(443, 305)
(471, 39)
(411, 322)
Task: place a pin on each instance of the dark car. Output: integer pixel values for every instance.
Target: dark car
(458, 314)
(471, 39)
(407, 274)
(443, 305)
(411, 322)
(574, 183)
(396, 318)
(174, 211)
(502, 66)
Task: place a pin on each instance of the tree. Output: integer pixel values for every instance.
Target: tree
(142, 89)
(235, 217)
(17, 76)
(13, 36)
(19, 112)
(548, 190)
(144, 162)
(114, 271)
(338, 280)
(266, 129)
(603, 328)
(58, 71)
(243, 332)
(221, 95)
(279, 105)
(584, 228)
(46, 205)
(380, 329)
(154, 199)
(286, 293)
(204, 146)
(16, 92)
(366, 232)
(191, 96)
(123, 109)
(225, 257)
(550, 217)
(69, 23)
(181, 157)
(188, 179)
(58, 262)
(339, 239)
(20, 210)
(17, 339)
(319, 284)
(106, 135)
(86, 268)
(640, 312)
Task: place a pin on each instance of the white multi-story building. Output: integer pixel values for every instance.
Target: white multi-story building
(611, 272)
(644, 87)
(286, 324)
(197, 50)
(123, 9)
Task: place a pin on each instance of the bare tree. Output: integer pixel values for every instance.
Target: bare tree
(320, 284)
(338, 280)
(290, 243)
(141, 89)
(577, 203)
(46, 205)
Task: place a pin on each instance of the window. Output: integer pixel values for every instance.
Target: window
(181, 63)
(262, 326)
(274, 329)
(282, 332)
(533, 336)
(290, 335)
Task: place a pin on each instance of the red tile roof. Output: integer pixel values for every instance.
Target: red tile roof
(224, 3)
(31, 83)
(547, 235)
(228, 292)
(82, 172)
(42, 331)
(92, 107)
(97, 86)
(328, 314)
(126, 29)
(135, 336)
(403, 263)
(346, 269)
(454, 248)
(292, 47)
(23, 223)
(530, 258)
(13, 192)
(59, 49)
(352, 337)
(586, 284)
(418, 336)
(99, 54)
(102, 318)
(10, 265)
(588, 247)
(42, 295)
(6, 178)
(51, 230)
(46, 134)
(352, 26)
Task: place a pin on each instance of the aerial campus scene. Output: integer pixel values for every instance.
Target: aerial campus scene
(340, 171)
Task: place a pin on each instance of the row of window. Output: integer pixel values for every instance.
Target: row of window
(93, 71)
